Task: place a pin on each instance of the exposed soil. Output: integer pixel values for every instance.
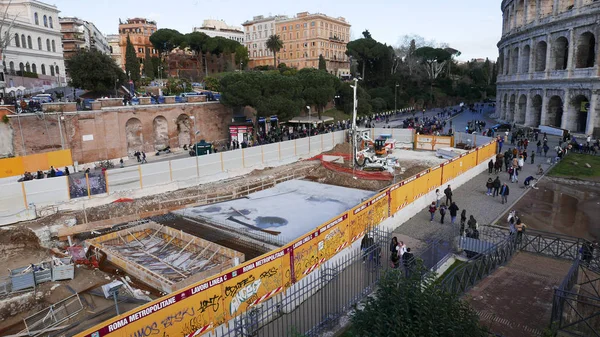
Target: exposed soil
(560, 206)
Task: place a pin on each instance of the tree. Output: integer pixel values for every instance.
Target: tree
(274, 44)
(414, 307)
(95, 71)
(6, 25)
(322, 63)
(148, 66)
(132, 63)
(165, 40)
(212, 83)
(433, 60)
(241, 56)
(196, 42)
(318, 87)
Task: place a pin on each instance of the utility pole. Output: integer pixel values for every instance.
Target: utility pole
(355, 101)
(395, 100)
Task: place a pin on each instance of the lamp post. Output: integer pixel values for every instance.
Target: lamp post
(395, 96)
(309, 127)
(355, 102)
(193, 118)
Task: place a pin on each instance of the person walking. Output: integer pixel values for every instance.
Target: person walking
(490, 166)
(144, 157)
(472, 223)
(463, 221)
(408, 259)
(448, 193)
(453, 212)
(504, 192)
(496, 185)
(515, 176)
(546, 148)
(520, 230)
(532, 157)
(489, 185)
(442, 213)
(438, 197)
(121, 163)
(432, 210)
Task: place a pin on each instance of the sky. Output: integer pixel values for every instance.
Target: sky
(471, 26)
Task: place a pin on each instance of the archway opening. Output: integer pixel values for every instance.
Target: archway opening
(510, 117)
(555, 112)
(536, 111)
(586, 51)
(540, 56)
(161, 133)
(514, 67)
(183, 130)
(525, 59)
(522, 106)
(504, 112)
(561, 53)
(578, 113)
(134, 136)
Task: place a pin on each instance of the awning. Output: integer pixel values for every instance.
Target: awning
(310, 119)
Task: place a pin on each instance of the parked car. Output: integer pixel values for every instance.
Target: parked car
(43, 98)
(502, 127)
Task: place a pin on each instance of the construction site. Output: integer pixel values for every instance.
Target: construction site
(155, 245)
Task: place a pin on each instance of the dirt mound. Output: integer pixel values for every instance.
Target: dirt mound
(19, 236)
(341, 148)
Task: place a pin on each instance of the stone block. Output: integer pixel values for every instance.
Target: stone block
(145, 101)
(110, 102)
(169, 99)
(96, 105)
(196, 99)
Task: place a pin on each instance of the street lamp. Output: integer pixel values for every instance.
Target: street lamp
(395, 95)
(309, 127)
(355, 101)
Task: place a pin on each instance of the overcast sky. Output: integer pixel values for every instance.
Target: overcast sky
(471, 26)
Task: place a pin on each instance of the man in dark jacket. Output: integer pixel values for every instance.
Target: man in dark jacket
(408, 259)
(504, 191)
(448, 193)
(496, 186)
(453, 212)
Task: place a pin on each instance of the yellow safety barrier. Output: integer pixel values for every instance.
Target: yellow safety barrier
(42, 161)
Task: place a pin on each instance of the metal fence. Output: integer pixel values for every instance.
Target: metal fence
(576, 303)
(53, 315)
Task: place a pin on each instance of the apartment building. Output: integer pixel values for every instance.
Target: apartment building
(257, 33)
(78, 34)
(139, 31)
(214, 28)
(114, 46)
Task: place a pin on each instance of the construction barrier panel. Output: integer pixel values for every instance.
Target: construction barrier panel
(431, 142)
(305, 257)
(420, 185)
(434, 178)
(36, 162)
(333, 237)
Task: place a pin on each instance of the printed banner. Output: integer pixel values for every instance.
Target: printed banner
(420, 185)
(368, 214)
(434, 178)
(333, 237)
(305, 256)
(448, 171)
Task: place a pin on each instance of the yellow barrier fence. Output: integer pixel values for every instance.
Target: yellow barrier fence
(42, 161)
(200, 308)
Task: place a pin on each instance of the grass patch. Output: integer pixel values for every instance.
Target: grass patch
(566, 168)
(456, 264)
(337, 115)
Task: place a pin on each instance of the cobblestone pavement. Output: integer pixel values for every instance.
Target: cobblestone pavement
(472, 197)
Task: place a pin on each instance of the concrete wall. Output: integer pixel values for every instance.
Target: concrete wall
(115, 132)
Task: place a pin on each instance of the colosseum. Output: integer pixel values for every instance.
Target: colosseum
(548, 71)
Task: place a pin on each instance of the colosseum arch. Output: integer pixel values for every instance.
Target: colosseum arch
(514, 66)
(501, 63)
(507, 68)
(525, 53)
(504, 107)
(134, 136)
(578, 114)
(536, 111)
(541, 50)
(510, 114)
(521, 109)
(520, 12)
(161, 133)
(546, 8)
(586, 51)
(565, 5)
(184, 129)
(555, 112)
(531, 11)
(560, 53)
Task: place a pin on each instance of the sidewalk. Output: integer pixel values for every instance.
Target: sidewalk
(472, 197)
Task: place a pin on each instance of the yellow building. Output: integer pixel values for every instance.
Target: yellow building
(307, 36)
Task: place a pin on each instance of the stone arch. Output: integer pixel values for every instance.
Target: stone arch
(536, 111)
(560, 53)
(520, 12)
(586, 51)
(525, 53)
(514, 66)
(134, 136)
(184, 130)
(521, 109)
(501, 62)
(161, 133)
(546, 8)
(531, 11)
(504, 107)
(541, 50)
(565, 5)
(578, 114)
(507, 66)
(510, 117)
(555, 112)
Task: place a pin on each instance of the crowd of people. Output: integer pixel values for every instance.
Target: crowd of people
(41, 174)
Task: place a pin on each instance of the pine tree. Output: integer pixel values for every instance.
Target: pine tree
(132, 64)
(148, 67)
(322, 63)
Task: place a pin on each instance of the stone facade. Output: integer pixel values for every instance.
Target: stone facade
(548, 71)
(114, 132)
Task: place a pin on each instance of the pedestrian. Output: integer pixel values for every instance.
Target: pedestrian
(489, 185)
(432, 210)
(438, 197)
(453, 212)
(520, 230)
(448, 193)
(546, 148)
(490, 166)
(472, 223)
(144, 157)
(408, 259)
(504, 192)
(515, 176)
(587, 251)
(521, 161)
(137, 154)
(67, 171)
(394, 245)
(463, 221)
(496, 186)
(365, 244)
(532, 157)
(442, 213)
(121, 163)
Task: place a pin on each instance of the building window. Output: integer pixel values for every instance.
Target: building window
(36, 18)
(48, 44)
(50, 22)
(21, 67)
(34, 68)
(39, 43)
(312, 24)
(29, 44)
(53, 47)
(305, 25)
(43, 69)
(45, 21)
(12, 67)
(51, 71)
(57, 72)
(17, 41)
(23, 41)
